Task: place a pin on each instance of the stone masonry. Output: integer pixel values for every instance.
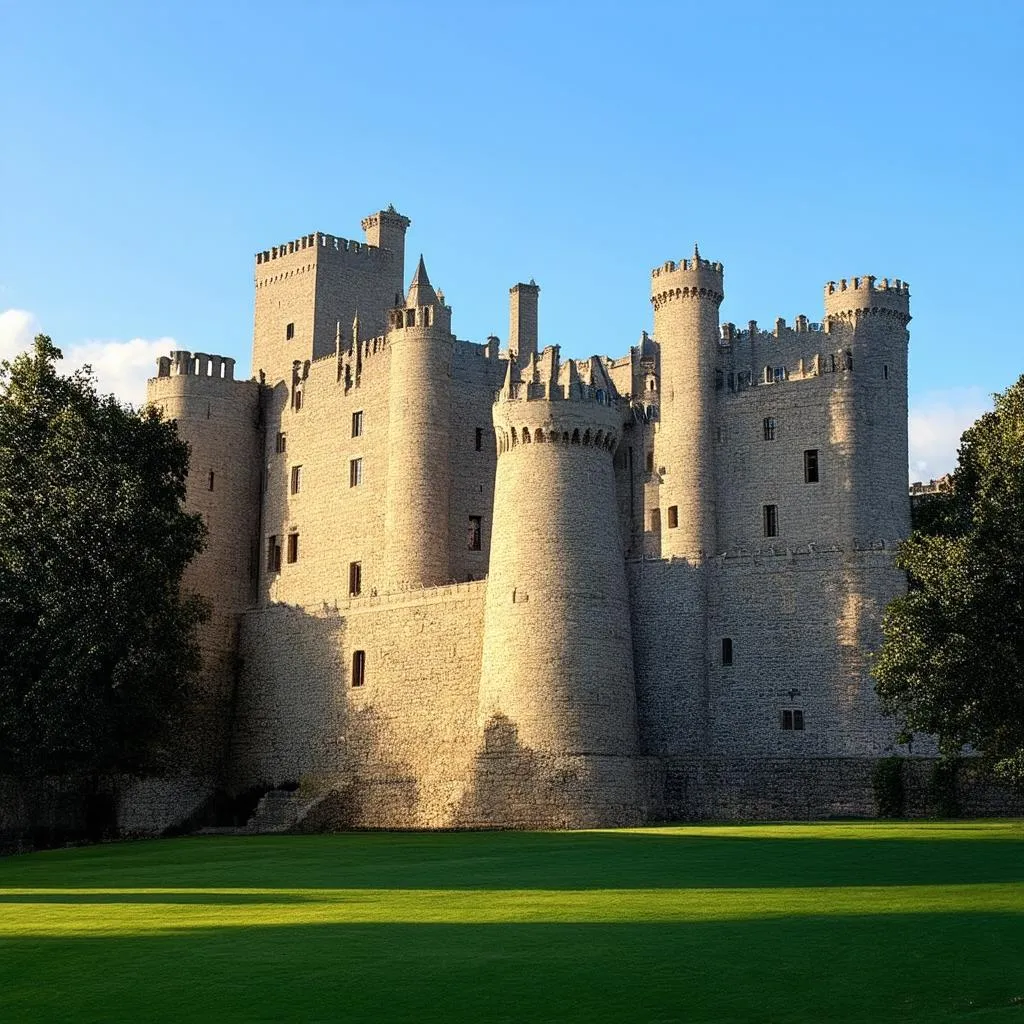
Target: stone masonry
(462, 584)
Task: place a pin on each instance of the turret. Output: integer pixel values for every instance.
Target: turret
(386, 230)
(557, 698)
(522, 325)
(416, 524)
(686, 297)
(866, 324)
(218, 416)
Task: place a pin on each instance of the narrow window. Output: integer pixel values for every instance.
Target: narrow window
(298, 400)
(355, 472)
(358, 668)
(282, 443)
(673, 516)
(885, 371)
(479, 438)
(787, 720)
(650, 462)
(211, 479)
(357, 423)
(811, 466)
(296, 485)
(289, 332)
(474, 533)
(769, 428)
(273, 554)
(726, 650)
(355, 578)
(655, 520)
(293, 548)
(771, 520)
(780, 374)
(798, 720)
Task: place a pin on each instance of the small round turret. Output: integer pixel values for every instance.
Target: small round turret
(557, 694)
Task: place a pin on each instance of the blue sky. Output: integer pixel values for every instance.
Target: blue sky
(149, 150)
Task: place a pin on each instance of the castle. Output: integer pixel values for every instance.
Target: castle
(473, 585)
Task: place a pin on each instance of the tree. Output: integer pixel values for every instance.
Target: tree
(952, 660)
(96, 642)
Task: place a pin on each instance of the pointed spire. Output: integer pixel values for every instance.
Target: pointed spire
(421, 291)
(696, 252)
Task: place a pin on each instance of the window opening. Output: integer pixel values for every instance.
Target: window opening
(475, 532)
(811, 466)
(355, 472)
(293, 548)
(673, 516)
(289, 332)
(727, 650)
(771, 520)
(479, 438)
(211, 479)
(273, 553)
(355, 578)
(655, 520)
(296, 484)
(282, 443)
(357, 423)
(298, 399)
(650, 462)
(358, 668)
(769, 428)
(792, 720)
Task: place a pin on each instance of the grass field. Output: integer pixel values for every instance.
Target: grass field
(858, 922)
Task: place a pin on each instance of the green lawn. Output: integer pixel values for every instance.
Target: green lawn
(839, 922)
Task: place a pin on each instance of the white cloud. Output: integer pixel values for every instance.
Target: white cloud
(937, 420)
(17, 329)
(121, 367)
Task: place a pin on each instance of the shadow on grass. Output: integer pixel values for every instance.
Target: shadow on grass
(538, 861)
(878, 968)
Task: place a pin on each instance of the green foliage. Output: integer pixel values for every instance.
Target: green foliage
(887, 787)
(952, 661)
(943, 800)
(96, 645)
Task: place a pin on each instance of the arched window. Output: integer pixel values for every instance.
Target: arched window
(576, 436)
(526, 435)
(586, 438)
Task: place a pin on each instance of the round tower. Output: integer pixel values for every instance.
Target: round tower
(218, 416)
(686, 297)
(866, 324)
(557, 694)
(416, 523)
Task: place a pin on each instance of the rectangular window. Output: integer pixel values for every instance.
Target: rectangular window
(793, 720)
(474, 533)
(355, 472)
(296, 484)
(273, 554)
(357, 423)
(358, 668)
(673, 516)
(655, 520)
(479, 439)
(282, 444)
(650, 462)
(293, 548)
(289, 332)
(780, 374)
(771, 520)
(355, 578)
(769, 428)
(298, 400)
(811, 466)
(726, 650)
(211, 479)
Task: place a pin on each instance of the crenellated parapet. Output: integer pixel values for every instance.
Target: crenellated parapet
(319, 243)
(694, 278)
(848, 300)
(195, 364)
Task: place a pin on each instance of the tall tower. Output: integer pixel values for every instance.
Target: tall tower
(416, 525)
(557, 694)
(522, 321)
(866, 326)
(219, 418)
(686, 298)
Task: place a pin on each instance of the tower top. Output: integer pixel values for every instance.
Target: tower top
(421, 291)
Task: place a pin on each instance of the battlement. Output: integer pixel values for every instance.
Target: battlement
(694, 278)
(320, 243)
(577, 391)
(850, 298)
(195, 364)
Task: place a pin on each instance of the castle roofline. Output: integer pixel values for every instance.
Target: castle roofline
(421, 291)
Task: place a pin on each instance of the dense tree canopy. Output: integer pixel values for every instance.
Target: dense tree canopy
(96, 643)
(952, 662)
